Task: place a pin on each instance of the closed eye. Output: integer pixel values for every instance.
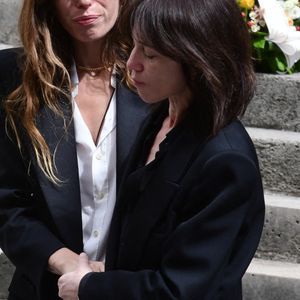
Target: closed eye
(149, 52)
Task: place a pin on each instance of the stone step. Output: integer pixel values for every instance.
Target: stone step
(279, 156)
(264, 280)
(271, 280)
(6, 271)
(9, 14)
(5, 46)
(276, 103)
(280, 239)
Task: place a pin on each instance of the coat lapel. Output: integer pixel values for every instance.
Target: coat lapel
(131, 112)
(63, 199)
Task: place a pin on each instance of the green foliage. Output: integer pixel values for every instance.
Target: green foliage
(267, 56)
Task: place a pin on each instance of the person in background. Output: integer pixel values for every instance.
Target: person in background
(191, 206)
(67, 123)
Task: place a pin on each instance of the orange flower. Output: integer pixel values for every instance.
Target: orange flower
(247, 4)
(290, 21)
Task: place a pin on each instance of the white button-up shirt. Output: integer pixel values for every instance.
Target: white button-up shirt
(97, 175)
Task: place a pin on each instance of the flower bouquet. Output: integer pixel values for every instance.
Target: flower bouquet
(274, 26)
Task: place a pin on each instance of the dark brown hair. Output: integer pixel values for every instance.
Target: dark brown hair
(210, 39)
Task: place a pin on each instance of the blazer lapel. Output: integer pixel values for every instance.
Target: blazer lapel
(131, 112)
(63, 199)
(158, 189)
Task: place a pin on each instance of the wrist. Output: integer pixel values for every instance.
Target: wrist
(62, 261)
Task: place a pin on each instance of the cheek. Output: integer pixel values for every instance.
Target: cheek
(169, 81)
(150, 91)
(63, 15)
(175, 80)
(62, 8)
(161, 83)
(113, 11)
(153, 91)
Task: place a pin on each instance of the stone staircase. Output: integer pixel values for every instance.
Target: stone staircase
(9, 13)
(273, 122)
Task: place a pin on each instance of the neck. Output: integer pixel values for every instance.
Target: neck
(88, 54)
(177, 109)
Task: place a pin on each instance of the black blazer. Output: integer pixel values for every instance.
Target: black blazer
(36, 217)
(188, 225)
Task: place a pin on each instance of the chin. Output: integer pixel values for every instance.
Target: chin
(150, 99)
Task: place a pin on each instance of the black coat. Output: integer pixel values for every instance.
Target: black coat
(37, 217)
(187, 225)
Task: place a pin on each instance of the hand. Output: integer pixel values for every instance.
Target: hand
(63, 261)
(68, 284)
(97, 266)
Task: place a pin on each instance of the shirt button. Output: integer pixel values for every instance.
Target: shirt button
(95, 233)
(98, 156)
(99, 196)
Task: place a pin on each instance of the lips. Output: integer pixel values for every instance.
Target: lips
(136, 82)
(86, 20)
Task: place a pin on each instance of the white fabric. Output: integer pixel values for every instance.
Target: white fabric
(97, 175)
(286, 37)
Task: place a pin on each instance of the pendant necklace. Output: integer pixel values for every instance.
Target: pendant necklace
(93, 72)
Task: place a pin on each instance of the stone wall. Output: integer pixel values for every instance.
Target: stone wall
(9, 14)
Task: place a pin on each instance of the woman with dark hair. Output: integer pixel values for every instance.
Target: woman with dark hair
(67, 123)
(191, 206)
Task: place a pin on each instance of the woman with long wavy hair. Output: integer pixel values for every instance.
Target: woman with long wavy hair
(67, 122)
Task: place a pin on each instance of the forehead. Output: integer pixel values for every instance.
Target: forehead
(77, 2)
(141, 38)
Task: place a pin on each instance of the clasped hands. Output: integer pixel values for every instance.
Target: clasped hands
(72, 269)
(68, 283)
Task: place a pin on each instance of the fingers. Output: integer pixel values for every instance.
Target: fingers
(68, 284)
(83, 260)
(84, 263)
(101, 266)
(97, 266)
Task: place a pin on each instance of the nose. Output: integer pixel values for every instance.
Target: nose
(83, 3)
(134, 63)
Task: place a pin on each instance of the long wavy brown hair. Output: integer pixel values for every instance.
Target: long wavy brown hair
(45, 68)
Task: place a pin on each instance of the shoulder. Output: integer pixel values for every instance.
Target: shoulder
(10, 59)
(232, 139)
(10, 70)
(228, 157)
(10, 54)
(226, 167)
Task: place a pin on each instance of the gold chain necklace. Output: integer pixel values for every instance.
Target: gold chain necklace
(93, 72)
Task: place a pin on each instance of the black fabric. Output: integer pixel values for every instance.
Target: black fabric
(188, 225)
(37, 217)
